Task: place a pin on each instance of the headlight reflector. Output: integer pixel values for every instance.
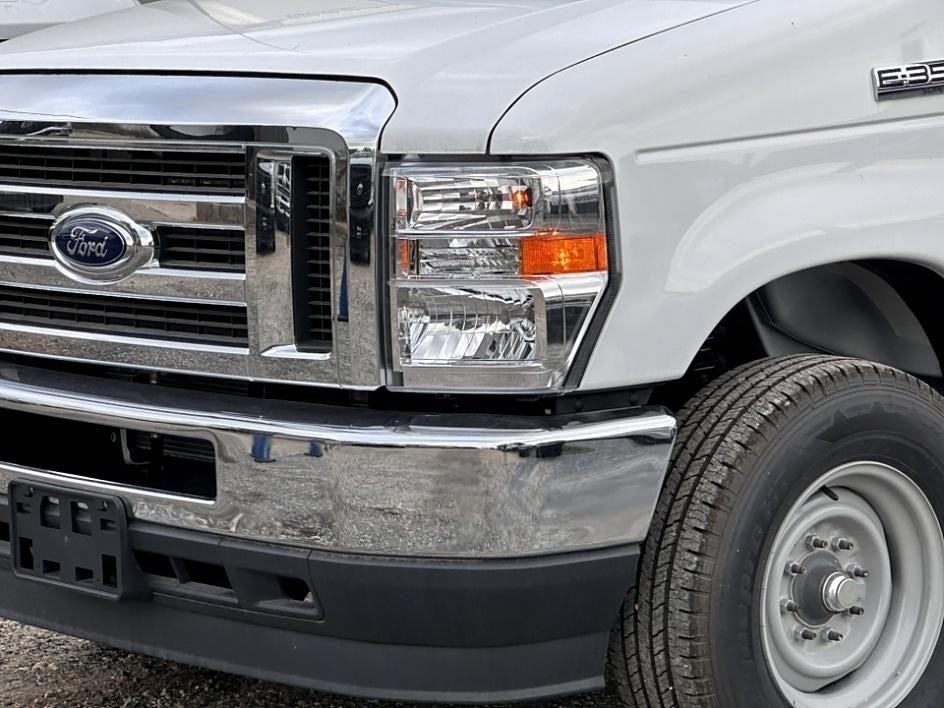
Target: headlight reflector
(485, 201)
(497, 271)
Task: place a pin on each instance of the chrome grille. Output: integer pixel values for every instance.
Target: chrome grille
(255, 274)
(124, 168)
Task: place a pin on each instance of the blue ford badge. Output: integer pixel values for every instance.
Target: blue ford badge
(91, 242)
(100, 244)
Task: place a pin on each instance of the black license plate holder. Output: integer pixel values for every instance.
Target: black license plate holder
(73, 539)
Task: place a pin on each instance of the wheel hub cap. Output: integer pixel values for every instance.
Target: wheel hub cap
(841, 593)
(809, 588)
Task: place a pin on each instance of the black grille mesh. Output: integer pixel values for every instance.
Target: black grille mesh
(312, 221)
(177, 321)
(202, 249)
(143, 446)
(23, 236)
(111, 168)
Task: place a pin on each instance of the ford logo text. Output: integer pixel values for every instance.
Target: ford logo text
(91, 243)
(100, 244)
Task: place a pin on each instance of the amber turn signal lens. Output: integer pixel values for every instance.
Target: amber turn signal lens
(406, 257)
(552, 254)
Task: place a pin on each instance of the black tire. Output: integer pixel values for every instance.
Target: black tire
(749, 444)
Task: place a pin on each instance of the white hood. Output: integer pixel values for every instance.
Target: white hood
(21, 16)
(455, 66)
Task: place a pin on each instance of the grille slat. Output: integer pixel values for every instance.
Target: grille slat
(104, 316)
(202, 249)
(166, 170)
(176, 321)
(312, 233)
(24, 237)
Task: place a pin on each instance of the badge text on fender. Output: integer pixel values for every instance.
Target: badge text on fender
(921, 79)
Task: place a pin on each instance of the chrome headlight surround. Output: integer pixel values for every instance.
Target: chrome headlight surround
(498, 270)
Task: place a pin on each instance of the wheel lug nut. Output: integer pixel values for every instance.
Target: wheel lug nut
(816, 543)
(805, 634)
(795, 569)
(857, 611)
(857, 571)
(833, 636)
(788, 606)
(843, 544)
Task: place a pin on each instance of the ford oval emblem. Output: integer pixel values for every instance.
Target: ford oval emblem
(100, 244)
(91, 242)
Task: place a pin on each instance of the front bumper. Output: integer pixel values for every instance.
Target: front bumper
(373, 482)
(454, 558)
(394, 628)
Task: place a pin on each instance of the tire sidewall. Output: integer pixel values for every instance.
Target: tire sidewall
(870, 423)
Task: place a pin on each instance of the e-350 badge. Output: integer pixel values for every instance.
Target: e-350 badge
(921, 79)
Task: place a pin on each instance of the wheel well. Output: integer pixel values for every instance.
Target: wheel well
(880, 310)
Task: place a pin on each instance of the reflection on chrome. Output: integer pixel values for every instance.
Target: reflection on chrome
(375, 482)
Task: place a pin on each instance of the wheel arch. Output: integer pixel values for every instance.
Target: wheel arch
(880, 310)
(875, 310)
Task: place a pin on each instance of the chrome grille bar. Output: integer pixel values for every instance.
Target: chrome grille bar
(153, 282)
(153, 207)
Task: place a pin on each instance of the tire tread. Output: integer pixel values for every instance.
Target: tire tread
(659, 654)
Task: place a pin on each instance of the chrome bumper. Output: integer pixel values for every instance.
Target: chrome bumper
(338, 479)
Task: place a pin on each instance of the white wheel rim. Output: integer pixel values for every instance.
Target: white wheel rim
(856, 622)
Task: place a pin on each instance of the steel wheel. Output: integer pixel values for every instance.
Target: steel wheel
(796, 558)
(853, 594)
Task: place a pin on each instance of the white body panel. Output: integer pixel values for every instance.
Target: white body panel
(746, 145)
(750, 146)
(21, 16)
(455, 65)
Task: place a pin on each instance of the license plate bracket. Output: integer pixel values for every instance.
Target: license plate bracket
(74, 539)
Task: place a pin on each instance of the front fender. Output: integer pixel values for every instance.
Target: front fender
(746, 147)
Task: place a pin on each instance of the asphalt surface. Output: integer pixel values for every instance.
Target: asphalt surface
(39, 668)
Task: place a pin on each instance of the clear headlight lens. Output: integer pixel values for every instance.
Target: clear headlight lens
(497, 271)
(488, 201)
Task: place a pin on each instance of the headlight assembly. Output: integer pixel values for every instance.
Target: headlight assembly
(497, 270)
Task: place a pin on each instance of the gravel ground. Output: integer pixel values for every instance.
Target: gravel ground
(38, 668)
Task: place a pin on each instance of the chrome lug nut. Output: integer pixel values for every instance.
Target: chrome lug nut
(833, 636)
(816, 543)
(795, 569)
(843, 544)
(857, 611)
(805, 634)
(857, 571)
(788, 606)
